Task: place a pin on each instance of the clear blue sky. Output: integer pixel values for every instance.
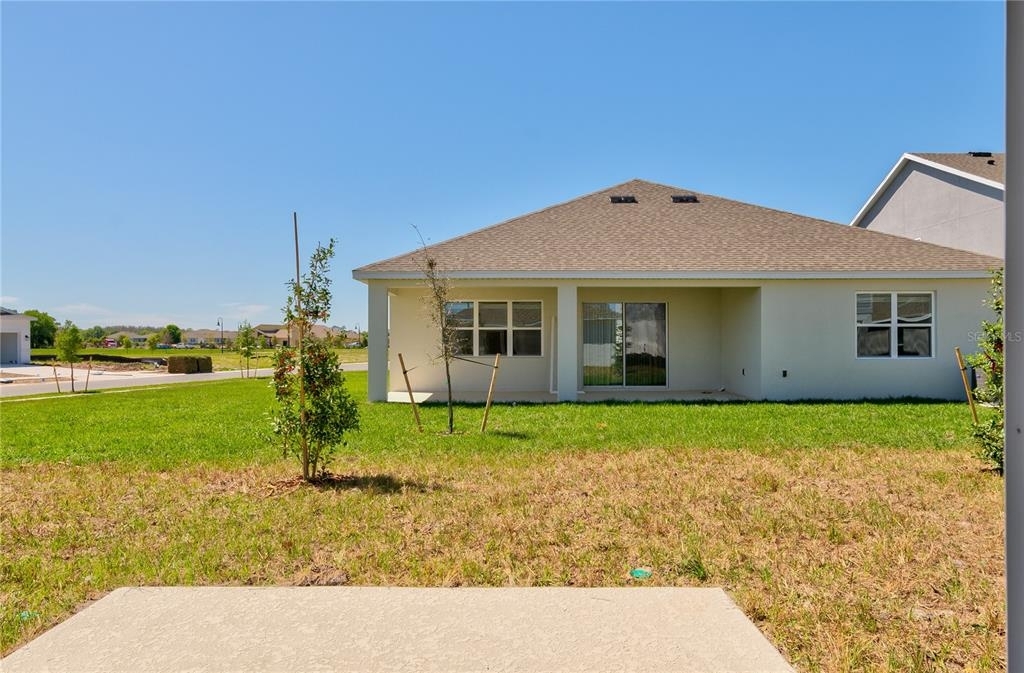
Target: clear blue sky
(152, 154)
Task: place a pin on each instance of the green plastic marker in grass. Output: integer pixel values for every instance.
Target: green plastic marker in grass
(640, 573)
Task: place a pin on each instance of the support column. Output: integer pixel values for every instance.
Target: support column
(377, 356)
(568, 343)
(1013, 339)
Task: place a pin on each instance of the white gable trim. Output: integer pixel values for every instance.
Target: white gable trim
(904, 160)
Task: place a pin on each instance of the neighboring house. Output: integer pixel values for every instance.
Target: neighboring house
(288, 336)
(268, 332)
(15, 337)
(138, 340)
(955, 200)
(649, 290)
(203, 337)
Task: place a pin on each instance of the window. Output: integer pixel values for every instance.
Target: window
(490, 327)
(895, 324)
(624, 344)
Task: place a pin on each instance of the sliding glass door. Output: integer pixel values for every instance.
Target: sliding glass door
(624, 344)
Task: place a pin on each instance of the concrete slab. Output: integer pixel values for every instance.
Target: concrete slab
(623, 395)
(376, 629)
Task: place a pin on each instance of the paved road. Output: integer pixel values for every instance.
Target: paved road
(108, 380)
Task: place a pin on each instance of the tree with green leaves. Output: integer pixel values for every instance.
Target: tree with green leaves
(94, 335)
(68, 343)
(438, 302)
(152, 341)
(314, 408)
(246, 344)
(172, 334)
(43, 329)
(989, 360)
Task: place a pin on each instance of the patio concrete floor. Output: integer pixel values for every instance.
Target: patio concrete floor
(372, 629)
(624, 395)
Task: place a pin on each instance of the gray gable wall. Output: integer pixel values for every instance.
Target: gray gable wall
(931, 205)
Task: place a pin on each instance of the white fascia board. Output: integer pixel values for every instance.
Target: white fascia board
(676, 275)
(904, 160)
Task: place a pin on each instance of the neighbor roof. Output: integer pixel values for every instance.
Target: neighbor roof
(655, 237)
(963, 164)
(988, 167)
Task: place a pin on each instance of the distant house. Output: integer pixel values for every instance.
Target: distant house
(208, 337)
(644, 289)
(138, 340)
(289, 336)
(955, 200)
(268, 332)
(15, 337)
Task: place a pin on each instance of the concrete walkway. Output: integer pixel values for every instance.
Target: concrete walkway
(376, 629)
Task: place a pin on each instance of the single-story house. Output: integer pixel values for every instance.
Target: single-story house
(138, 340)
(268, 331)
(647, 291)
(955, 200)
(202, 337)
(289, 335)
(15, 337)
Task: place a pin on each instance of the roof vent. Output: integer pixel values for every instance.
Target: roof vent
(685, 198)
(624, 198)
(980, 154)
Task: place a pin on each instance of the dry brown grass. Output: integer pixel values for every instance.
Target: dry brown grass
(848, 559)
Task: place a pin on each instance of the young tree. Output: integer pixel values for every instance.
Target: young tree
(43, 329)
(68, 342)
(172, 334)
(314, 408)
(152, 341)
(990, 361)
(438, 305)
(245, 343)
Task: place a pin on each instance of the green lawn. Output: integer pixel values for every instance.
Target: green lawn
(861, 536)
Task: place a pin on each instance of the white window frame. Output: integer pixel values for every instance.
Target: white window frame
(509, 327)
(894, 326)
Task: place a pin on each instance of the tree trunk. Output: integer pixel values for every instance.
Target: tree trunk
(72, 365)
(451, 411)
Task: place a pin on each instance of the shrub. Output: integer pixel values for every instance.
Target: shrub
(990, 361)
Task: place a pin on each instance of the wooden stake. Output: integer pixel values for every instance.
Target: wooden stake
(56, 379)
(412, 400)
(967, 386)
(302, 382)
(490, 391)
(88, 374)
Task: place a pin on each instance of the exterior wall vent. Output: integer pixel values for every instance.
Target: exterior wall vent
(685, 198)
(624, 198)
(980, 154)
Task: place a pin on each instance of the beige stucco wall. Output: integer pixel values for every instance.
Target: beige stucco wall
(931, 205)
(725, 334)
(741, 341)
(809, 331)
(415, 337)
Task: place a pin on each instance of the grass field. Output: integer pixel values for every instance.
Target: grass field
(858, 537)
(221, 360)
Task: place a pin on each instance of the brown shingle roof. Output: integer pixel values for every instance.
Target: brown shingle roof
(965, 162)
(656, 236)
